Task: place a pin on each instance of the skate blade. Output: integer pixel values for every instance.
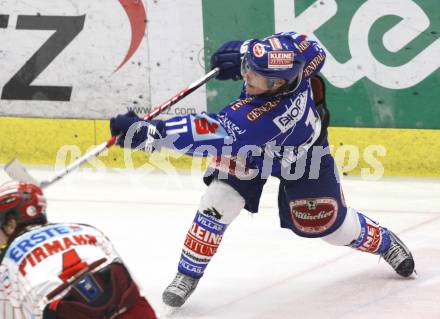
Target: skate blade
(414, 274)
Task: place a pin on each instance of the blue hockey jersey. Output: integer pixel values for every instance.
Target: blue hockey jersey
(272, 129)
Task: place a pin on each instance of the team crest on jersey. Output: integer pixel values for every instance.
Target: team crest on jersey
(293, 114)
(314, 216)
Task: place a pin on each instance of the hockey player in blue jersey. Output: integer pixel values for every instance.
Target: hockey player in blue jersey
(277, 127)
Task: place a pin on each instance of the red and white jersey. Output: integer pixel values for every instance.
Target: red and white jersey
(43, 259)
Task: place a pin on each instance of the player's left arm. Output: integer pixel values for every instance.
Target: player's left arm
(195, 134)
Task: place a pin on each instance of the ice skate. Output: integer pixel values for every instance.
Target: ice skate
(179, 290)
(399, 257)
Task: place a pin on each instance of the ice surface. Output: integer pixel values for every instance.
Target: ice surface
(261, 270)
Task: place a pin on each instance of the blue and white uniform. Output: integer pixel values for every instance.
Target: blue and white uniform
(266, 122)
(280, 135)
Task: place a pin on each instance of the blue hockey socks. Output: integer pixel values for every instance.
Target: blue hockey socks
(373, 238)
(201, 243)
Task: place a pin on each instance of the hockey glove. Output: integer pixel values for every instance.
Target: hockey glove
(134, 132)
(228, 59)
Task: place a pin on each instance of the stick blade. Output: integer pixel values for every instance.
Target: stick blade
(18, 172)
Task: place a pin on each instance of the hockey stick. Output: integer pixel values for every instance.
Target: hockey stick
(17, 171)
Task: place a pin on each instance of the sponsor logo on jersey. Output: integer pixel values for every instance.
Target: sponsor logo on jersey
(259, 111)
(314, 216)
(314, 64)
(206, 128)
(43, 251)
(27, 242)
(203, 126)
(280, 59)
(230, 127)
(241, 102)
(258, 50)
(293, 114)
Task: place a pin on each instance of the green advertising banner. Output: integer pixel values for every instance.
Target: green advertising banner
(383, 57)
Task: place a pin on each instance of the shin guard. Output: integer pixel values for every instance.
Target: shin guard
(219, 206)
(200, 245)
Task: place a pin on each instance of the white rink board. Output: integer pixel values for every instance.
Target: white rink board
(169, 57)
(176, 51)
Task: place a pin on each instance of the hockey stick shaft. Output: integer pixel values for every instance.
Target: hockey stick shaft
(80, 161)
(183, 93)
(150, 115)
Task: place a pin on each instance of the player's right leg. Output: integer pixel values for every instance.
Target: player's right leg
(218, 208)
(314, 207)
(362, 233)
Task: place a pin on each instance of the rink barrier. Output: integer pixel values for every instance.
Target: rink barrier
(402, 152)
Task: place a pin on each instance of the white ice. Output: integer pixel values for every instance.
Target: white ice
(261, 270)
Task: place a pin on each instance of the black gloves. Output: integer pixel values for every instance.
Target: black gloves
(142, 131)
(228, 59)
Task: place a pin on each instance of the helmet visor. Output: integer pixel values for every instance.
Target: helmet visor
(254, 78)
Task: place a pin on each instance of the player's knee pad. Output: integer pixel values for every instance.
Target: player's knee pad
(222, 202)
(347, 232)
